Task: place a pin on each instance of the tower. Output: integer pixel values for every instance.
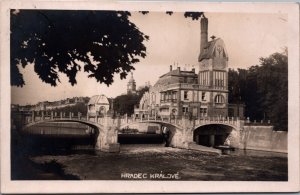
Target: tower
(131, 85)
(213, 71)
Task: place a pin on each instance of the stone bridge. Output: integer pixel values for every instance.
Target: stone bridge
(183, 131)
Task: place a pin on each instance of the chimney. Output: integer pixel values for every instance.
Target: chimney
(204, 28)
(170, 67)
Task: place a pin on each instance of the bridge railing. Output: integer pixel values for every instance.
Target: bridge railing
(179, 122)
(124, 120)
(221, 120)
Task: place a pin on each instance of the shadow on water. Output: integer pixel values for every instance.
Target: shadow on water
(24, 146)
(140, 139)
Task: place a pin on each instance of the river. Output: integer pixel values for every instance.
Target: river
(150, 161)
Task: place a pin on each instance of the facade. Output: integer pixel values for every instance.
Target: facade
(187, 93)
(98, 105)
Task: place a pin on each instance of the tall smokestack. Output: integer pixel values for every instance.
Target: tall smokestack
(204, 35)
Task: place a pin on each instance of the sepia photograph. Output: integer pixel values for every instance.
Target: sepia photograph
(159, 94)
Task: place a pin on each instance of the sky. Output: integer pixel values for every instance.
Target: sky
(174, 40)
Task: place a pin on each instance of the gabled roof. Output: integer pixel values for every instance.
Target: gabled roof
(208, 51)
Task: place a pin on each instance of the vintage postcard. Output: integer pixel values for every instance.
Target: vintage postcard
(121, 97)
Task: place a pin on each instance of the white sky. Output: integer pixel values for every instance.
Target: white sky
(172, 39)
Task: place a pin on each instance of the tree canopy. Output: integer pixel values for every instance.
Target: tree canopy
(103, 43)
(264, 89)
(106, 42)
(124, 104)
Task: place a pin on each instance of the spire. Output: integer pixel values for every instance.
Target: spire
(131, 85)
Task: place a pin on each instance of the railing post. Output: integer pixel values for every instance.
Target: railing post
(43, 116)
(96, 118)
(61, 115)
(141, 117)
(79, 115)
(126, 118)
(148, 117)
(248, 120)
(51, 115)
(155, 115)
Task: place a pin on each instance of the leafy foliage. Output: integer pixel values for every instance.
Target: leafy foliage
(102, 42)
(124, 104)
(264, 89)
(78, 107)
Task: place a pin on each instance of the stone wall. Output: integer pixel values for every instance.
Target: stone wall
(263, 138)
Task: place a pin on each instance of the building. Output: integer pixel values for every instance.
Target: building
(187, 93)
(131, 85)
(99, 105)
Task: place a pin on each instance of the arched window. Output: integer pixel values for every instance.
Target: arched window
(219, 99)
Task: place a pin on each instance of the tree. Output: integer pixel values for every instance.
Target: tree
(264, 90)
(124, 104)
(104, 43)
(272, 80)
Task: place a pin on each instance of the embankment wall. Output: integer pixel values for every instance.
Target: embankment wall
(263, 138)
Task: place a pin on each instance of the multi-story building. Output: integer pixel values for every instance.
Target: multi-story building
(180, 92)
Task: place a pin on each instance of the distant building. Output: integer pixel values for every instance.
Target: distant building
(99, 105)
(180, 92)
(131, 85)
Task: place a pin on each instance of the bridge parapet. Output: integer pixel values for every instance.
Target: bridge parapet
(231, 121)
(235, 122)
(125, 120)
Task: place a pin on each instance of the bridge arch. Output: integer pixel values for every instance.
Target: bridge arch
(216, 134)
(97, 127)
(173, 128)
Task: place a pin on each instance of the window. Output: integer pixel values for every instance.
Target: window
(219, 99)
(153, 98)
(203, 111)
(219, 82)
(203, 96)
(185, 79)
(185, 95)
(185, 109)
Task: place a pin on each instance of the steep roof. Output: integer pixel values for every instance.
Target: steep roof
(208, 51)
